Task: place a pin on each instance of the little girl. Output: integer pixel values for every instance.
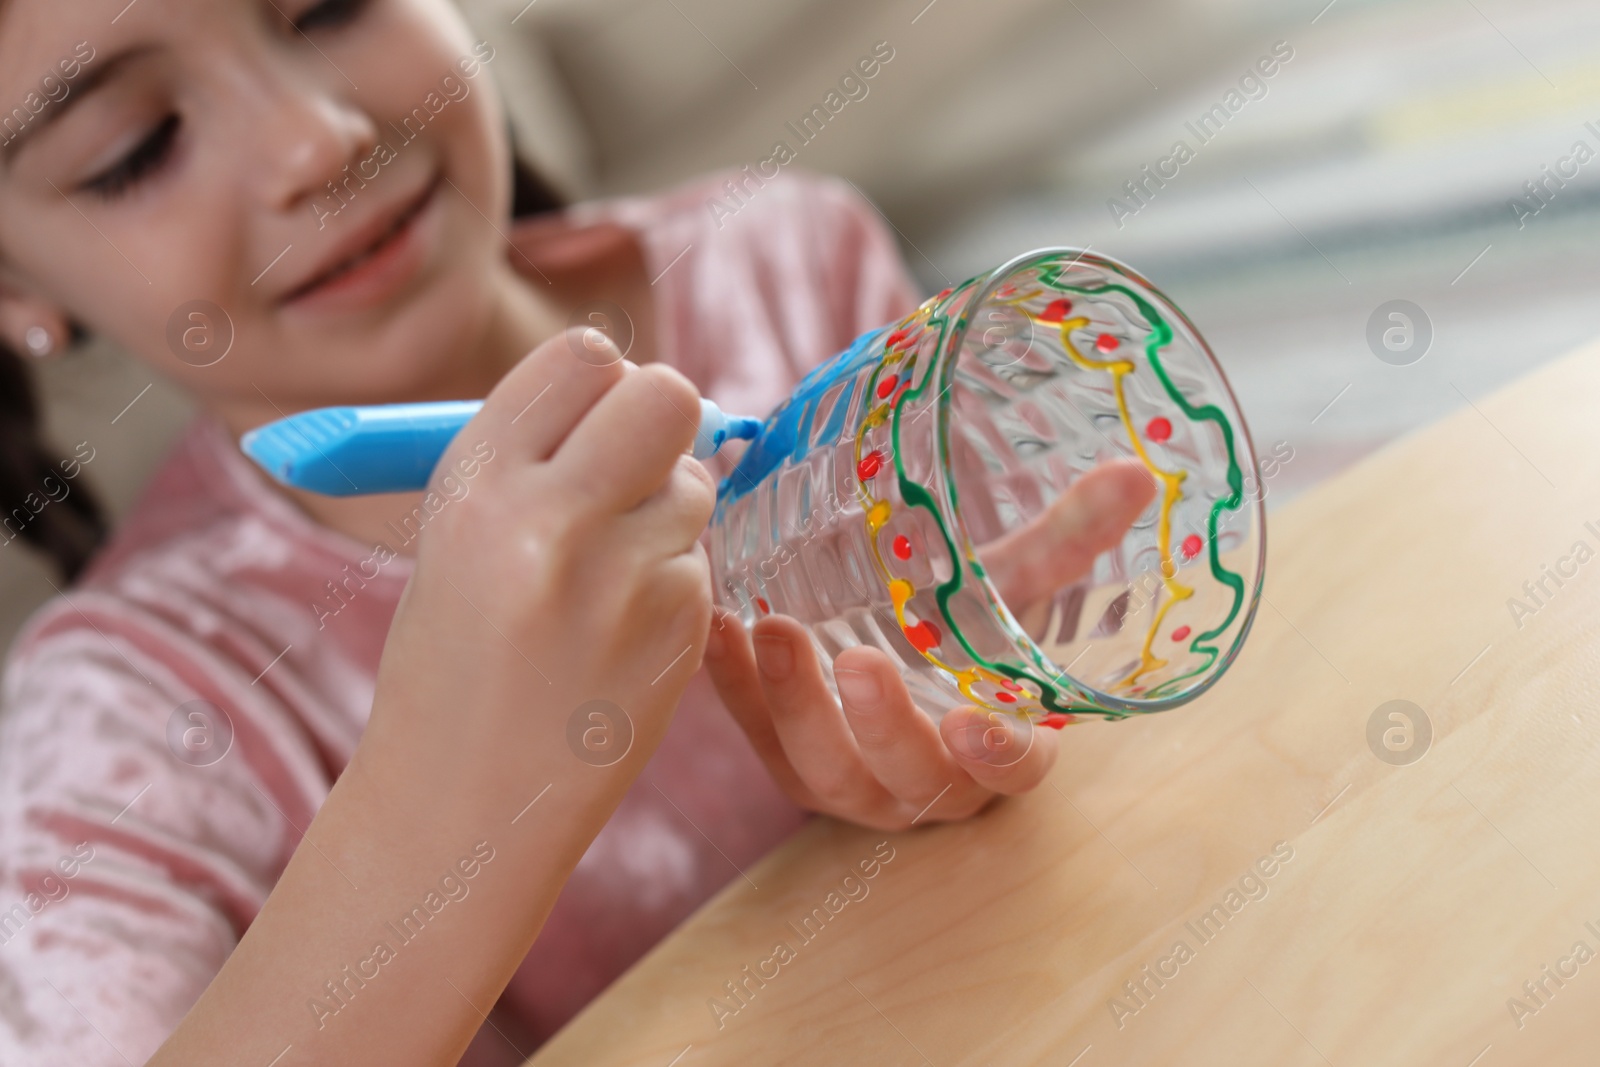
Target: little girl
(287, 779)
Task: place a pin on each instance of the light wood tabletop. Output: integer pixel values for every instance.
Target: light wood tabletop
(1242, 880)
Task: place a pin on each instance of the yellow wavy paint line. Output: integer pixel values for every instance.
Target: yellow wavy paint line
(901, 590)
(1172, 492)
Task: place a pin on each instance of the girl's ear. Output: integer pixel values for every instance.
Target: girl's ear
(31, 324)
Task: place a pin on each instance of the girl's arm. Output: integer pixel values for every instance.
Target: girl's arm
(572, 573)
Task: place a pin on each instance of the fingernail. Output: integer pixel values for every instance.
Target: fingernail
(859, 688)
(989, 741)
(968, 741)
(775, 657)
(721, 621)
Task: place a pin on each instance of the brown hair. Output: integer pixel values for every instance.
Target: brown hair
(69, 531)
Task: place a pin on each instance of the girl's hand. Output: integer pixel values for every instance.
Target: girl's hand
(879, 760)
(565, 568)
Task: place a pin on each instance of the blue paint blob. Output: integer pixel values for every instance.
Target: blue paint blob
(787, 435)
(743, 427)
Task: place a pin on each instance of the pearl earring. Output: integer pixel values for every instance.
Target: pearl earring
(39, 341)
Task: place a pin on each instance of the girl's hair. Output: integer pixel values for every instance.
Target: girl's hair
(69, 530)
(530, 193)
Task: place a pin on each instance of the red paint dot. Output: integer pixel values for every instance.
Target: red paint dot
(1180, 633)
(902, 546)
(1056, 310)
(902, 390)
(1055, 720)
(923, 636)
(1106, 343)
(895, 338)
(943, 293)
(1191, 546)
(870, 464)
(1158, 429)
(1004, 697)
(886, 386)
(1009, 684)
(762, 604)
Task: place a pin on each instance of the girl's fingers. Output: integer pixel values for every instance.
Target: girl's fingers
(677, 513)
(624, 449)
(880, 760)
(1001, 752)
(539, 401)
(1058, 546)
(899, 743)
(731, 662)
(810, 724)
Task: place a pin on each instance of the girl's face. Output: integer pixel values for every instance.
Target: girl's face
(324, 172)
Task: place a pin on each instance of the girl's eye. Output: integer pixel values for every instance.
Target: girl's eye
(330, 14)
(144, 159)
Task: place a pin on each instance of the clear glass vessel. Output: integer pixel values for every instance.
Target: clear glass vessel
(930, 489)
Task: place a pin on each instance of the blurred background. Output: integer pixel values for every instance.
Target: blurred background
(1382, 160)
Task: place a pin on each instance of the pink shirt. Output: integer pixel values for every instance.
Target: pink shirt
(127, 875)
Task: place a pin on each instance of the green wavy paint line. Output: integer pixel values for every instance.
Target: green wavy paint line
(1160, 337)
(916, 495)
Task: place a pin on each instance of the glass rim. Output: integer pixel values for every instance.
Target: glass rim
(1024, 643)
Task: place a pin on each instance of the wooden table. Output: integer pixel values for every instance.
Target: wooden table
(1382, 912)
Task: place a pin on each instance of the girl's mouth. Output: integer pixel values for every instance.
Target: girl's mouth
(383, 260)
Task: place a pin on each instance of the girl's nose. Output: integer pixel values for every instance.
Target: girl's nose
(308, 139)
